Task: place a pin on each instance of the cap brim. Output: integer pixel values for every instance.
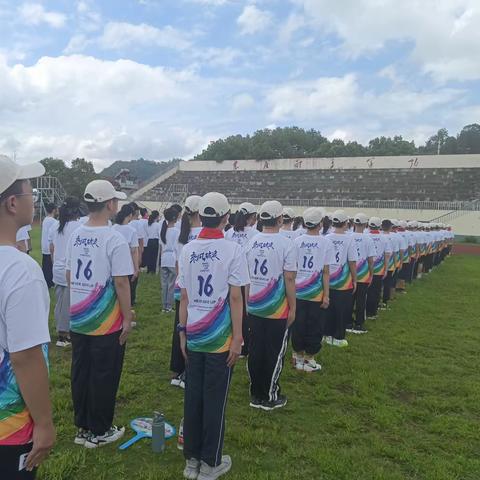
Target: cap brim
(33, 170)
(120, 195)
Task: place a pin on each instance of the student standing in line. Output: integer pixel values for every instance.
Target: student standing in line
(129, 233)
(67, 223)
(140, 227)
(366, 256)
(212, 272)
(391, 266)
(168, 243)
(383, 252)
(99, 264)
(314, 254)
(27, 433)
(23, 240)
(343, 280)
(271, 306)
(191, 226)
(287, 227)
(143, 225)
(49, 222)
(242, 232)
(153, 235)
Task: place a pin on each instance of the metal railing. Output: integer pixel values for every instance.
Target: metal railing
(50, 191)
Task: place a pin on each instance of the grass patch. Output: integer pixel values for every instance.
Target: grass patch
(400, 403)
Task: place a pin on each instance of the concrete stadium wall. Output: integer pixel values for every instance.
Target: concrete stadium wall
(404, 162)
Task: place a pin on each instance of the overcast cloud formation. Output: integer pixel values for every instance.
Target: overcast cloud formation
(109, 80)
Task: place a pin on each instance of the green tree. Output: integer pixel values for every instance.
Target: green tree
(468, 140)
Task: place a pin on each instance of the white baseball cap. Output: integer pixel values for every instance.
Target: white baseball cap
(402, 224)
(412, 224)
(247, 208)
(339, 216)
(289, 213)
(375, 222)
(192, 203)
(10, 172)
(213, 204)
(313, 216)
(101, 191)
(271, 209)
(360, 219)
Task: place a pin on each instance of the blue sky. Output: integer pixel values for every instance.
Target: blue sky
(110, 80)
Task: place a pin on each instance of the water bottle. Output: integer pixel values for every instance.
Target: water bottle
(158, 432)
(180, 436)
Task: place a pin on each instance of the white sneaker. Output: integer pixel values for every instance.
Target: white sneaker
(212, 473)
(350, 330)
(178, 381)
(81, 436)
(311, 366)
(339, 343)
(328, 340)
(299, 363)
(192, 468)
(63, 343)
(110, 436)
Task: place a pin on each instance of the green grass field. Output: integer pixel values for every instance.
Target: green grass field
(402, 402)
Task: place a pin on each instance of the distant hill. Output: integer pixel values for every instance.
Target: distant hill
(140, 169)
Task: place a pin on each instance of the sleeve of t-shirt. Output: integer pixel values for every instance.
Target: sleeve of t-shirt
(352, 254)
(388, 246)
(371, 248)
(181, 269)
(290, 260)
(329, 253)
(68, 255)
(238, 274)
(121, 260)
(26, 322)
(134, 241)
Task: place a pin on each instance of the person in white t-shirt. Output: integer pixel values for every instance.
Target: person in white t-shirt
(123, 226)
(24, 242)
(168, 243)
(49, 222)
(343, 280)
(69, 213)
(27, 433)
(287, 227)
(388, 280)
(212, 272)
(153, 239)
(242, 232)
(190, 227)
(99, 264)
(271, 306)
(366, 255)
(142, 231)
(140, 226)
(314, 254)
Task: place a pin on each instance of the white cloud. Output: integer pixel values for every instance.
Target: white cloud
(242, 101)
(293, 23)
(253, 20)
(35, 14)
(444, 33)
(117, 35)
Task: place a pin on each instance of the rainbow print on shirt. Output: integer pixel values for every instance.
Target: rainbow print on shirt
(406, 255)
(391, 262)
(363, 272)
(379, 265)
(341, 279)
(177, 291)
(270, 302)
(213, 332)
(16, 424)
(99, 313)
(311, 289)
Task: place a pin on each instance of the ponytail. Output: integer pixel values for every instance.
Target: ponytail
(163, 232)
(123, 213)
(69, 210)
(169, 215)
(185, 228)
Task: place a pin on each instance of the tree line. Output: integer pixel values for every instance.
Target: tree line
(295, 142)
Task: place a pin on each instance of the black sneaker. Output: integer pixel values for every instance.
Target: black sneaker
(280, 402)
(94, 441)
(256, 402)
(359, 330)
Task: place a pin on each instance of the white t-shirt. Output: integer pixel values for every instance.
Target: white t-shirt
(94, 256)
(24, 309)
(313, 253)
(291, 234)
(153, 231)
(47, 224)
(128, 233)
(242, 237)
(394, 245)
(207, 268)
(23, 235)
(168, 256)
(365, 250)
(382, 246)
(269, 255)
(140, 226)
(59, 241)
(344, 252)
(83, 220)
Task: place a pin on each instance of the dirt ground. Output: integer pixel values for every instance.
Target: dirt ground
(466, 249)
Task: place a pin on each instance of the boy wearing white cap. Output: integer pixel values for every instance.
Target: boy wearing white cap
(212, 271)
(406, 255)
(99, 263)
(272, 264)
(366, 254)
(388, 281)
(287, 227)
(314, 254)
(343, 280)
(383, 253)
(26, 427)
